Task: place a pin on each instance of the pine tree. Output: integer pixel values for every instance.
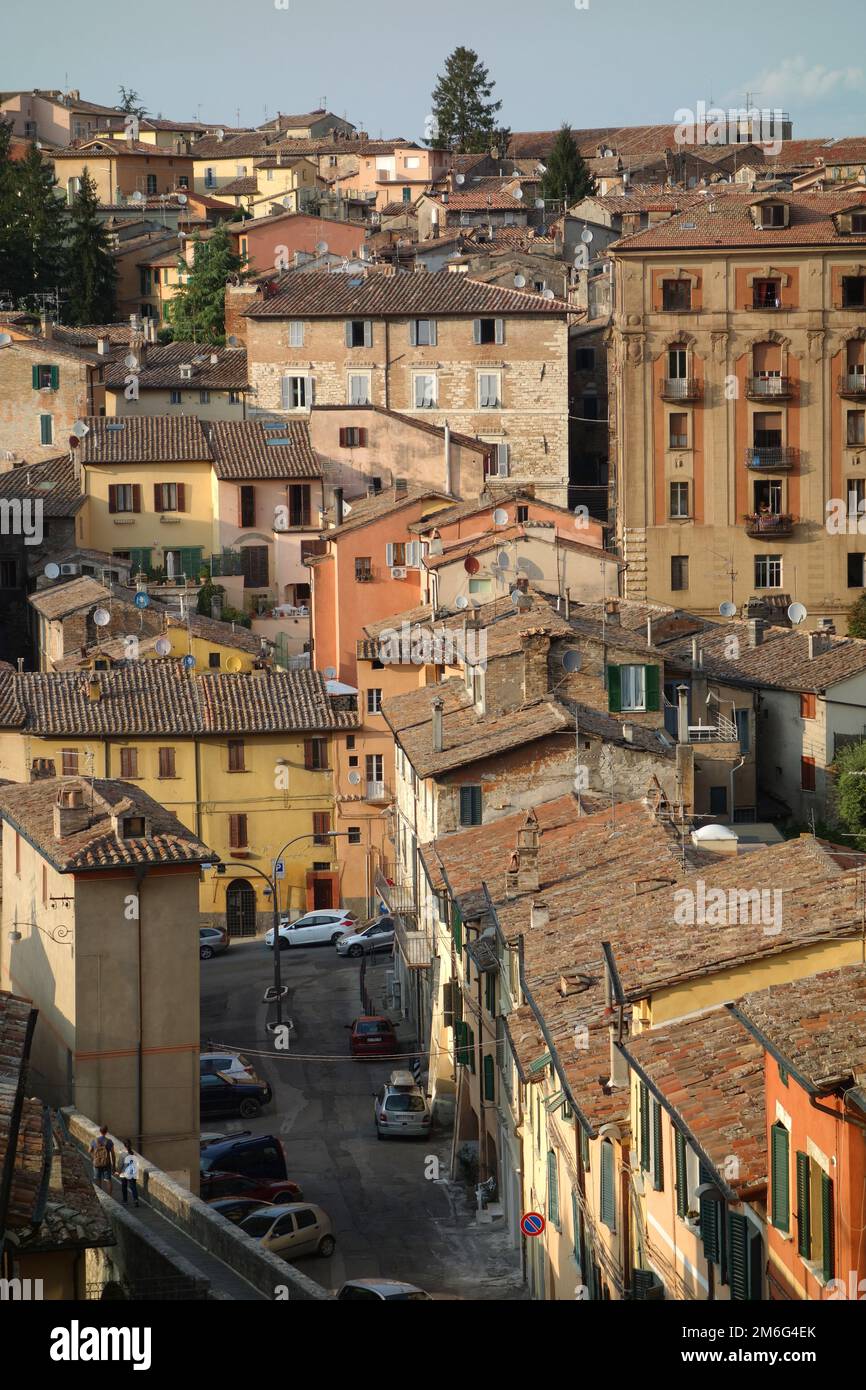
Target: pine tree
(42, 228)
(92, 274)
(12, 276)
(130, 100)
(465, 117)
(198, 308)
(857, 618)
(567, 176)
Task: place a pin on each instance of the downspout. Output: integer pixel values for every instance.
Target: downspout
(140, 874)
(197, 760)
(734, 771)
(387, 365)
(447, 432)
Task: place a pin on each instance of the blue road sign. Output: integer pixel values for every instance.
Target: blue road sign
(141, 600)
(188, 662)
(532, 1224)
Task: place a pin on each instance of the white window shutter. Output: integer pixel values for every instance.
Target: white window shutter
(368, 333)
(499, 330)
(476, 330)
(413, 558)
(348, 333)
(432, 332)
(413, 332)
(389, 553)
(285, 393)
(311, 390)
(502, 451)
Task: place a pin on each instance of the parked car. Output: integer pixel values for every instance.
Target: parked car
(379, 1290)
(326, 924)
(259, 1156)
(217, 1185)
(291, 1230)
(377, 936)
(236, 1209)
(233, 1063)
(212, 941)
(401, 1108)
(372, 1035)
(221, 1094)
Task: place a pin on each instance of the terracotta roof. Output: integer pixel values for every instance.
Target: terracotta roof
(69, 597)
(850, 150)
(161, 368)
(30, 809)
(731, 224)
(373, 506)
(474, 505)
(159, 698)
(113, 649)
(246, 184)
(709, 1075)
(466, 441)
(221, 634)
(72, 1217)
(818, 1024)
(54, 347)
(515, 535)
(250, 449)
(103, 147)
(781, 661)
(32, 1158)
(144, 439)
(87, 335)
(17, 1020)
(480, 199)
(51, 481)
(319, 294)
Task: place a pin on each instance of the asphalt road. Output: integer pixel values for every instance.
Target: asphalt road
(390, 1219)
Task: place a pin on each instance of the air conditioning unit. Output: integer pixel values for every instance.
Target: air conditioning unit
(70, 569)
(398, 572)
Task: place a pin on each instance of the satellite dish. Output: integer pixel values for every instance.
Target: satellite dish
(5, 338)
(131, 361)
(354, 777)
(234, 663)
(539, 203)
(52, 571)
(518, 193)
(101, 617)
(233, 341)
(796, 612)
(188, 661)
(519, 281)
(503, 560)
(547, 294)
(74, 441)
(80, 429)
(137, 197)
(287, 201)
(181, 198)
(321, 248)
(586, 236)
(728, 609)
(471, 565)
(571, 661)
(330, 673)
(500, 517)
(461, 601)
(516, 595)
(141, 600)
(162, 646)
(459, 178)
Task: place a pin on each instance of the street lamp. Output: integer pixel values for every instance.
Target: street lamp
(56, 934)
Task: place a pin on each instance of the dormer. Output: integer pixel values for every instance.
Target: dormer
(128, 823)
(851, 221)
(770, 213)
(185, 371)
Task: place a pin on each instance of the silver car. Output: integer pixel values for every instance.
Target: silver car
(293, 1229)
(401, 1108)
(378, 935)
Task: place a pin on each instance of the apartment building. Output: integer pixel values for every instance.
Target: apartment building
(284, 238)
(489, 362)
(46, 384)
(122, 168)
(179, 377)
(58, 118)
(741, 321)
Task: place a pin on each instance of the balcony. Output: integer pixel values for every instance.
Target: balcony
(680, 388)
(378, 792)
(723, 732)
(416, 947)
(853, 384)
(770, 388)
(769, 526)
(771, 460)
(761, 303)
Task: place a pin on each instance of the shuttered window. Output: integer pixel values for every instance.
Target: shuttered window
(608, 1186)
(804, 1216)
(470, 805)
(745, 1259)
(643, 1111)
(236, 755)
(577, 1243)
(614, 694)
(237, 831)
(552, 1189)
(682, 1173)
(828, 1229)
(633, 688)
(129, 762)
(780, 1205)
(489, 1078)
(658, 1155)
(254, 563)
(321, 826)
(166, 762)
(69, 762)
(316, 754)
(712, 1220)
(457, 928)
(248, 505)
(490, 992)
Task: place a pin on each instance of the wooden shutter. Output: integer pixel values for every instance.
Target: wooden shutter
(55, 378)
(308, 753)
(658, 1154)
(157, 497)
(433, 333)
(247, 505)
(499, 330)
(457, 928)
(166, 762)
(577, 1243)
(236, 755)
(461, 1044)
(413, 332)
(651, 687)
(181, 497)
(712, 1223)
(321, 826)
(129, 762)
(136, 497)
(682, 1173)
(285, 393)
(35, 377)
(489, 1078)
(608, 1188)
(779, 1179)
(362, 439)
(112, 497)
(643, 1107)
(238, 831)
(828, 1228)
(614, 696)
(348, 333)
(344, 439)
(804, 1222)
(552, 1189)
(738, 1247)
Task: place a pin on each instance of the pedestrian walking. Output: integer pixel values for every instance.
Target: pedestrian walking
(104, 1160)
(128, 1172)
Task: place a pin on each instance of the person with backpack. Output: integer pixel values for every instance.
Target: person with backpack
(102, 1150)
(128, 1172)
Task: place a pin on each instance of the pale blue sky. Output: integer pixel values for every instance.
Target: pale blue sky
(616, 62)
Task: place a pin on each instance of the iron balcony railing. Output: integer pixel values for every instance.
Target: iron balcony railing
(680, 388)
(769, 525)
(769, 388)
(771, 460)
(853, 384)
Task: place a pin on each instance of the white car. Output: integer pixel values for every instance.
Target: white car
(325, 924)
(235, 1063)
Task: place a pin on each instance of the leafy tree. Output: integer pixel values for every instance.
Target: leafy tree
(198, 308)
(42, 224)
(130, 100)
(857, 618)
(92, 275)
(850, 766)
(465, 116)
(567, 176)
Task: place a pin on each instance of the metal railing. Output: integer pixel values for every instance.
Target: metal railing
(852, 384)
(725, 731)
(680, 388)
(769, 524)
(775, 388)
(772, 460)
(378, 791)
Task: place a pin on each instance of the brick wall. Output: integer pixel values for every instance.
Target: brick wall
(21, 406)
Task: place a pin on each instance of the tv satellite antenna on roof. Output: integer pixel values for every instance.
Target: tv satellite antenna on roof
(101, 617)
(586, 236)
(79, 429)
(503, 560)
(321, 248)
(52, 571)
(459, 178)
(728, 609)
(137, 196)
(162, 646)
(571, 660)
(234, 663)
(182, 198)
(519, 281)
(547, 294)
(797, 613)
(461, 601)
(354, 777)
(500, 517)
(539, 203)
(471, 564)
(330, 672)
(233, 341)
(518, 193)
(5, 338)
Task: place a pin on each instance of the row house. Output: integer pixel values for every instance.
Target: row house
(242, 758)
(122, 169)
(491, 363)
(58, 118)
(181, 378)
(221, 158)
(741, 321)
(100, 899)
(274, 184)
(285, 237)
(487, 207)
(46, 384)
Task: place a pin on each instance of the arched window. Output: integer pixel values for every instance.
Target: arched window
(240, 908)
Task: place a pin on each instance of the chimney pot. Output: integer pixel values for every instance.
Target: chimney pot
(628, 732)
(682, 714)
(756, 632)
(539, 914)
(438, 705)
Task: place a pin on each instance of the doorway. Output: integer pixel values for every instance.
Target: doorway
(240, 908)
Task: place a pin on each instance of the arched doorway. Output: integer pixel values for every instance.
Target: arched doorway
(240, 908)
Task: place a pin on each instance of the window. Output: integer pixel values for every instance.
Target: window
(676, 295)
(644, 1125)
(422, 332)
(175, 397)
(490, 1084)
(254, 564)
(808, 704)
(522, 515)
(766, 294)
(632, 685)
(584, 359)
(297, 392)
(628, 685)
(657, 1149)
(743, 732)
(854, 291)
(374, 700)
(779, 1177)
(247, 505)
(69, 762)
(855, 571)
(497, 463)
(238, 831)
(679, 500)
(677, 364)
(679, 572)
(236, 755)
(552, 1189)
(129, 762)
(316, 754)
(425, 392)
(169, 497)
(151, 183)
(856, 427)
(133, 828)
(210, 177)
(359, 390)
(470, 806)
(204, 397)
(363, 569)
(353, 438)
(45, 378)
(374, 764)
(234, 397)
(124, 497)
(608, 1185)
(678, 431)
(682, 1174)
(488, 330)
(354, 834)
(46, 429)
(296, 333)
(395, 553)
(213, 660)
(166, 762)
(489, 396)
(718, 801)
(768, 571)
(807, 774)
(359, 333)
(321, 827)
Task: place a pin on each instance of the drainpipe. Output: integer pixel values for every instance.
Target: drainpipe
(447, 457)
(387, 365)
(734, 771)
(140, 874)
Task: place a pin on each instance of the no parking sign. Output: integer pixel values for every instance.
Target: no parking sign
(532, 1224)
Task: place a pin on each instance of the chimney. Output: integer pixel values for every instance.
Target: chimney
(697, 654)
(71, 811)
(447, 447)
(46, 326)
(619, 1074)
(816, 644)
(511, 875)
(611, 611)
(756, 632)
(649, 631)
(682, 714)
(94, 689)
(401, 487)
(567, 604)
(539, 914)
(216, 607)
(536, 646)
(338, 506)
(628, 732)
(437, 706)
(103, 346)
(527, 855)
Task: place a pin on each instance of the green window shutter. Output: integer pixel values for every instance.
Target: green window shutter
(55, 378)
(804, 1215)
(552, 1189)
(489, 1078)
(658, 1158)
(779, 1166)
(575, 1226)
(46, 429)
(828, 1227)
(682, 1175)
(470, 1048)
(608, 1186)
(457, 928)
(644, 1100)
(461, 1043)
(738, 1246)
(584, 1149)
(490, 992)
(34, 377)
(651, 678)
(711, 1227)
(614, 696)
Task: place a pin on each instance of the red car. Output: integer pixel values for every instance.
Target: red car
(214, 1185)
(372, 1036)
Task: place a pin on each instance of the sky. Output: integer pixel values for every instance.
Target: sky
(610, 62)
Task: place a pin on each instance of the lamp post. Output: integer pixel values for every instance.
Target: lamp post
(56, 934)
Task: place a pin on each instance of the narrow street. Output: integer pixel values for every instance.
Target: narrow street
(390, 1219)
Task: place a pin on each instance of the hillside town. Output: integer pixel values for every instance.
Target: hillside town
(433, 699)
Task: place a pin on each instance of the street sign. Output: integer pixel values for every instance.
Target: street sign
(279, 868)
(141, 600)
(532, 1224)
